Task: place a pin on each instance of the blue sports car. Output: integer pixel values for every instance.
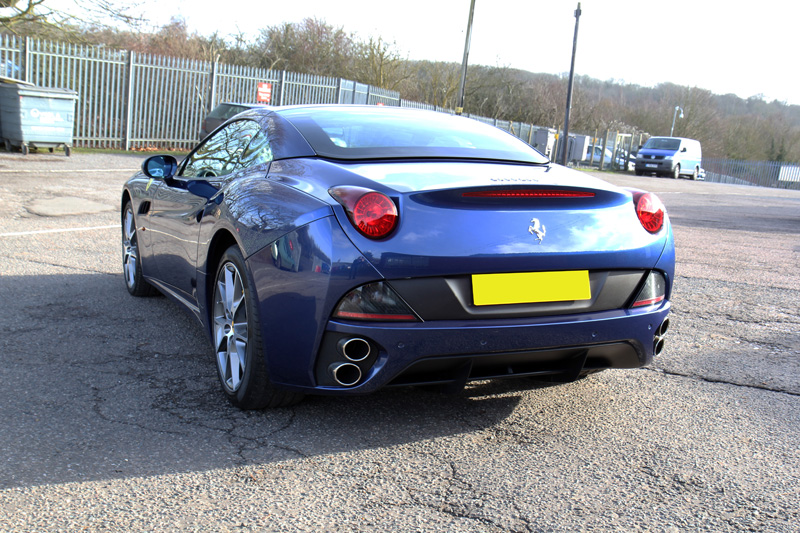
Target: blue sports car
(341, 249)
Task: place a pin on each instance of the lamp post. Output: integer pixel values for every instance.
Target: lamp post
(674, 115)
(564, 144)
(463, 81)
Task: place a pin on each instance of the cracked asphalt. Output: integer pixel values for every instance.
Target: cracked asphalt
(112, 417)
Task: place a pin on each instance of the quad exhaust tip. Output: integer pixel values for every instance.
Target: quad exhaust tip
(658, 339)
(663, 328)
(354, 349)
(658, 346)
(345, 374)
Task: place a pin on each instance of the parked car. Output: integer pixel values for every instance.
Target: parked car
(625, 161)
(670, 156)
(220, 114)
(621, 161)
(342, 249)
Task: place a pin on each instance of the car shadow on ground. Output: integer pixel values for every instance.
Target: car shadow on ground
(97, 384)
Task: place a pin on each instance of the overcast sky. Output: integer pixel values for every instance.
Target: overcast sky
(742, 48)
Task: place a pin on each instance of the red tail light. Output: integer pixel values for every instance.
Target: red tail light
(375, 215)
(650, 210)
(372, 213)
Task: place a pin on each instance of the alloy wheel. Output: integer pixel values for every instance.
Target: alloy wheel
(130, 248)
(230, 326)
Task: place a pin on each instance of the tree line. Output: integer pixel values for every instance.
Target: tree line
(728, 126)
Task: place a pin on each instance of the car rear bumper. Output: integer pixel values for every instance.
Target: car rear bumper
(454, 352)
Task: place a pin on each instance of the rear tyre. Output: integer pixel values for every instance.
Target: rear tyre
(237, 339)
(695, 173)
(677, 172)
(131, 264)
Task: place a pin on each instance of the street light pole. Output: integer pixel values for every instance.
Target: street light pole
(565, 141)
(675, 114)
(463, 82)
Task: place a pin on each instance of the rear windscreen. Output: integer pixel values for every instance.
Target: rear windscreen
(379, 133)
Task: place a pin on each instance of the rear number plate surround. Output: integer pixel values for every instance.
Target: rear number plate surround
(530, 287)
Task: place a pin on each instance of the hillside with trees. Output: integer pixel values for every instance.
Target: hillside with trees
(727, 125)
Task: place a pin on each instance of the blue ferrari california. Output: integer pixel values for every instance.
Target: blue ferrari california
(341, 249)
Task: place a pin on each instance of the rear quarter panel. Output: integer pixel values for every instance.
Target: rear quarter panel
(254, 212)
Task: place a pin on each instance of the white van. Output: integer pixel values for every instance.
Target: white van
(670, 156)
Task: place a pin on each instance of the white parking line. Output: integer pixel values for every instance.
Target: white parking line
(64, 230)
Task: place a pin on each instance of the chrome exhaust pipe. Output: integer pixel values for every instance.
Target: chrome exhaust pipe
(658, 346)
(663, 328)
(658, 338)
(345, 374)
(354, 349)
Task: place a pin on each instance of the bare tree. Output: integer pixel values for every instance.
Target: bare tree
(309, 47)
(377, 63)
(14, 13)
(39, 17)
(434, 83)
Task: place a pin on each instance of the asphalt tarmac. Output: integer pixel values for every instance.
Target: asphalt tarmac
(112, 418)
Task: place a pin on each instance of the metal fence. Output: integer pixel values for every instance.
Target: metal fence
(139, 101)
(133, 101)
(759, 173)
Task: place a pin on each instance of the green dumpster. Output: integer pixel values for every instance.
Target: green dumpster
(36, 117)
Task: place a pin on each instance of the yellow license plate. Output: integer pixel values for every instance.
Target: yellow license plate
(530, 287)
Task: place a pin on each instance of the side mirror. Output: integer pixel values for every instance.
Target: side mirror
(683, 149)
(160, 167)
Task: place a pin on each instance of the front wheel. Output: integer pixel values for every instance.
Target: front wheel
(677, 172)
(238, 346)
(131, 264)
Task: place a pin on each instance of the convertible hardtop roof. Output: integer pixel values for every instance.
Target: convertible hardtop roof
(353, 132)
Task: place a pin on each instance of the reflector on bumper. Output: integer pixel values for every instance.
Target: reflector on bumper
(374, 301)
(653, 292)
